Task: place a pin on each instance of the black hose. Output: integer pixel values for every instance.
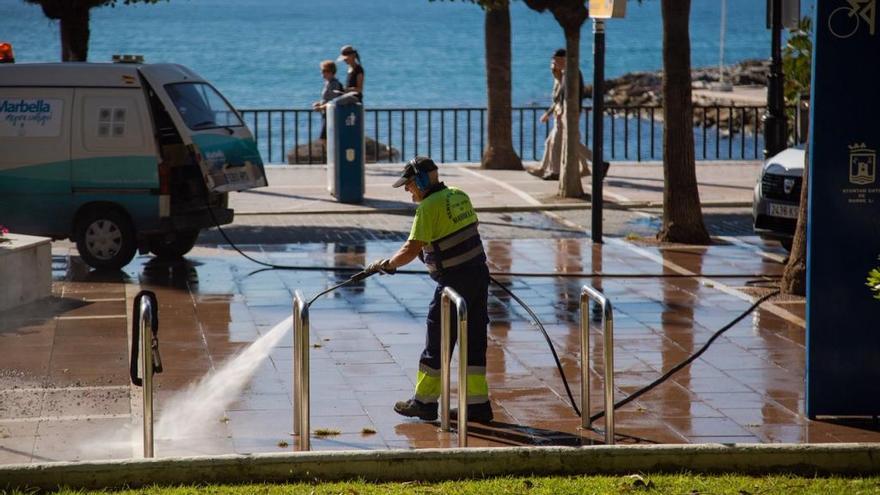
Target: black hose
(546, 337)
(678, 367)
(271, 266)
(361, 275)
(357, 277)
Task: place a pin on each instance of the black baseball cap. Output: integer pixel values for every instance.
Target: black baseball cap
(413, 167)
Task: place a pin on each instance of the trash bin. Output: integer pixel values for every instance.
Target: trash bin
(345, 150)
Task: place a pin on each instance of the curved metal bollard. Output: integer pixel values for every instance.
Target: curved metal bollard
(445, 363)
(144, 336)
(301, 397)
(589, 293)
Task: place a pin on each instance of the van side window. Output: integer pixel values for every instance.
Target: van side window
(111, 123)
(201, 106)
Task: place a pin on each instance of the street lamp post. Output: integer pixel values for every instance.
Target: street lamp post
(775, 134)
(598, 131)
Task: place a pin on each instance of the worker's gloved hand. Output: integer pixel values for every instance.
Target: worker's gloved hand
(382, 266)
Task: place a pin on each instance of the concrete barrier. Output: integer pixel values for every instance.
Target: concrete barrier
(446, 464)
(25, 270)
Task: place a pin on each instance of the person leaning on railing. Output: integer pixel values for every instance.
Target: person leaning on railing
(332, 89)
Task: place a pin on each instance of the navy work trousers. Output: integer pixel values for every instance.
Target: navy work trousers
(472, 284)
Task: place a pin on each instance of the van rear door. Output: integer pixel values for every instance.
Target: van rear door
(221, 143)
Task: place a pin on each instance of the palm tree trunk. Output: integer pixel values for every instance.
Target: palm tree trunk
(569, 173)
(682, 216)
(499, 152)
(75, 33)
(794, 277)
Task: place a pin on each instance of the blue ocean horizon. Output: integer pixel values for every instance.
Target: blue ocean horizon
(416, 53)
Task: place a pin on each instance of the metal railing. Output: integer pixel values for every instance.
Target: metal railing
(446, 362)
(145, 349)
(301, 409)
(459, 134)
(587, 294)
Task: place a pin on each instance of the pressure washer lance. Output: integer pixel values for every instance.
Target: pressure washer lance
(361, 275)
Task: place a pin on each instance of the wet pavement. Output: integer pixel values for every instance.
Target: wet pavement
(65, 393)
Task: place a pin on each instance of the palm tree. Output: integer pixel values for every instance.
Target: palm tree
(570, 14)
(74, 17)
(499, 152)
(682, 215)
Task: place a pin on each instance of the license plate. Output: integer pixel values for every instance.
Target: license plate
(784, 211)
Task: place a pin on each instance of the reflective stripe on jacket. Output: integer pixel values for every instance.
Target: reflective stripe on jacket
(455, 250)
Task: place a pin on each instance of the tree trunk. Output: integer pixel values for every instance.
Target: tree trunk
(569, 172)
(794, 278)
(75, 33)
(499, 152)
(682, 216)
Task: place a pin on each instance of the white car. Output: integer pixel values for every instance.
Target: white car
(777, 196)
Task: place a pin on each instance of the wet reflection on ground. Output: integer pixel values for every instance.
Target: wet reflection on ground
(64, 361)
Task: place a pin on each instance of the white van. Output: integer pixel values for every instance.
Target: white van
(119, 157)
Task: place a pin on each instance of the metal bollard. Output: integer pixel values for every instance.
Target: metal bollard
(301, 410)
(446, 362)
(589, 293)
(144, 337)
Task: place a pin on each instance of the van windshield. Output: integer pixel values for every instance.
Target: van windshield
(201, 106)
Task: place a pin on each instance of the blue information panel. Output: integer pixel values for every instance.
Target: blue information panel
(843, 315)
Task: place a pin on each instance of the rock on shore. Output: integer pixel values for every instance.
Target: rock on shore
(315, 152)
(645, 89)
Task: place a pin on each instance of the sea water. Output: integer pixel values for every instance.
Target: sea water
(417, 53)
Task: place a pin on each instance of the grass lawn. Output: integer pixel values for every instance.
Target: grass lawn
(682, 484)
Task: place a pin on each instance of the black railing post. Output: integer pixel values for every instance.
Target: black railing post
(455, 135)
(283, 135)
(390, 132)
(442, 135)
(468, 134)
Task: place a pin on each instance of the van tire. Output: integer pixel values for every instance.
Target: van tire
(177, 247)
(105, 238)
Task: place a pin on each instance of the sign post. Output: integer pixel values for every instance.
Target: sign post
(843, 230)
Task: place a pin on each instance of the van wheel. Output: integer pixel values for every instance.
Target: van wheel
(176, 247)
(105, 239)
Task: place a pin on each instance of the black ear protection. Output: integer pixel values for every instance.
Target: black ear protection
(422, 179)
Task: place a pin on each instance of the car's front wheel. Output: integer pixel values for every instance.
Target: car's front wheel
(105, 238)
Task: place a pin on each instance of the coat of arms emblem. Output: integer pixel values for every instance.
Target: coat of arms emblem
(862, 164)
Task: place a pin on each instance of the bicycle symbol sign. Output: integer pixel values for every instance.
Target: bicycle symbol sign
(845, 21)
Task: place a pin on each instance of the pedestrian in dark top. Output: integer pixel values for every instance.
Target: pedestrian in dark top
(355, 81)
(332, 89)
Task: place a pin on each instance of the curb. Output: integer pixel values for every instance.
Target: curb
(365, 210)
(448, 464)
